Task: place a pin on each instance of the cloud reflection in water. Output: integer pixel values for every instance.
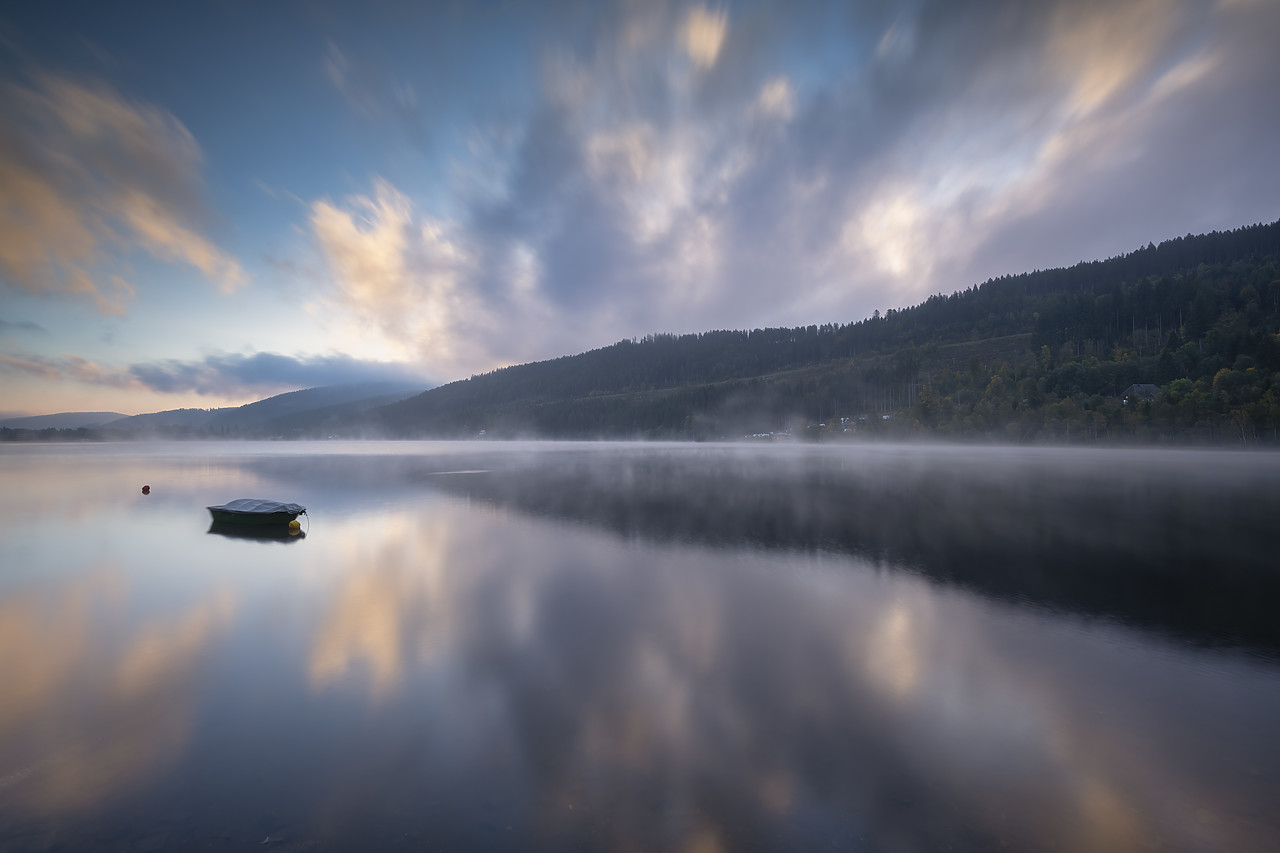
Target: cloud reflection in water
(94, 706)
(651, 691)
(657, 647)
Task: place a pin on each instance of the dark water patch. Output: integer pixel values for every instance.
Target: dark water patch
(1186, 543)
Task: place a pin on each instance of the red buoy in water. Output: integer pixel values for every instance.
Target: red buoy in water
(146, 490)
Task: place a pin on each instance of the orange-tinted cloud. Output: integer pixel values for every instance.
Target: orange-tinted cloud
(703, 34)
(70, 367)
(86, 176)
(400, 275)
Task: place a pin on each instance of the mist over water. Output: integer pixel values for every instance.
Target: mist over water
(600, 646)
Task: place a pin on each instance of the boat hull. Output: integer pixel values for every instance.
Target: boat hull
(254, 512)
(257, 532)
(252, 519)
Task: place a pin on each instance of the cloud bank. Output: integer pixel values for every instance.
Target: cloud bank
(86, 176)
(689, 167)
(222, 375)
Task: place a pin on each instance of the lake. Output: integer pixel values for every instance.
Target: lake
(640, 647)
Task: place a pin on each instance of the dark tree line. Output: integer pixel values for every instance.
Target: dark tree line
(1040, 355)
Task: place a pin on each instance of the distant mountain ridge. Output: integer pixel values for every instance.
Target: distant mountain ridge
(290, 414)
(265, 411)
(62, 420)
(294, 409)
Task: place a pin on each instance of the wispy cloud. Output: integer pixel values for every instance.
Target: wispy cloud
(703, 34)
(373, 93)
(404, 277)
(87, 175)
(67, 368)
(22, 326)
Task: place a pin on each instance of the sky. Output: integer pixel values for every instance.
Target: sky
(204, 204)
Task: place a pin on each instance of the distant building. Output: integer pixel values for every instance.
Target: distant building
(1139, 392)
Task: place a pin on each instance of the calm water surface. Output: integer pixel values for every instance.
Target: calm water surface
(640, 647)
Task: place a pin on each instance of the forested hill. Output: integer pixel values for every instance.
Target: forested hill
(1042, 355)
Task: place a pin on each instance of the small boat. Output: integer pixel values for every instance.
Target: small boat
(256, 512)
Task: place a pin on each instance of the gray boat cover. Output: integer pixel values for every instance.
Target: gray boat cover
(257, 506)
